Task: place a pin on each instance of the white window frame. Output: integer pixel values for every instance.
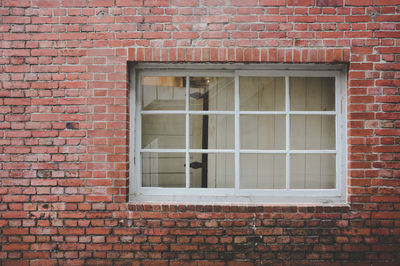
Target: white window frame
(236, 195)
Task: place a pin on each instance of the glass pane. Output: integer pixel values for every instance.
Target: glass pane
(212, 170)
(266, 132)
(163, 93)
(212, 93)
(212, 131)
(312, 94)
(163, 170)
(312, 132)
(262, 93)
(313, 171)
(163, 131)
(262, 171)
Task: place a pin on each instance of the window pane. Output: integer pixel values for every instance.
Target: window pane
(212, 170)
(163, 170)
(212, 93)
(163, 93)
(262, 171)
(265, 132)
(212, 131)
(262, 93)
(312, 132)
(163, 131)
(312, 94)
(312, 171)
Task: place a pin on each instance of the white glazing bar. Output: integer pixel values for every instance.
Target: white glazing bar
(212, 112)
(290, 112)
(210, 151)
(304, 68)
(263, 151)
(313, 151)
(163, 150)
(157, 112)
(237, 133)
(269, 151)
(280, 73)
(139, 132)
(341, 158)
(312, 112)
(182, 73)
(132, 133)
(287, 109)
(187, 166)
(339, 110)
(262, 112)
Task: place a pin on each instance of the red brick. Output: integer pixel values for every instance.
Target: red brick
(15, 198)
(70, 231)
(272, 2)
(301, 2)
(72, 68)
(17, 150)
(74, 246)
(185, 2)
(359, 2)
(157, 35)
(185, 35)
(74, 3)
(129, 2)
(17, 68)
(386, 198)
(246, 3)
(387, 132)
(387, 2)
(157, 3)
(98, 231)
(386, 215)
(329, 2)
(15, 247)
(72, 198)
(98, 247)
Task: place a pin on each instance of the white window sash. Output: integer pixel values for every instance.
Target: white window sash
(236, 194)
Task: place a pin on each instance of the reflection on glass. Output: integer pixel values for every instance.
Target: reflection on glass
(312, 171)
(163, 93)
(212, 131)
(312, 94)
(265, 132)
(262, 93)
(212, 170)
(163, 131)
(211, 94)
(312, 132)
(163, 170)
(262, 171)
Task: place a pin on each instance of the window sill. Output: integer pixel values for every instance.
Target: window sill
(329, 197)
(160, 206)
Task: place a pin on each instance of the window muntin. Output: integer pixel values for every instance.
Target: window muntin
(265, 134)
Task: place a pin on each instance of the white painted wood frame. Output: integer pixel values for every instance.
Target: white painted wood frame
(287, 195)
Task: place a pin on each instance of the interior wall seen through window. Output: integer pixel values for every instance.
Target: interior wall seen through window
(257, 132)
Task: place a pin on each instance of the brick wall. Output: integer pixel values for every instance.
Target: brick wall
(64, 148)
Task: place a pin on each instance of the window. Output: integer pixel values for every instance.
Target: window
(238, 133)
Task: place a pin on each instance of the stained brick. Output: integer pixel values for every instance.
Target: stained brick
(329, 2)
(301, 2)
(359, 2)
